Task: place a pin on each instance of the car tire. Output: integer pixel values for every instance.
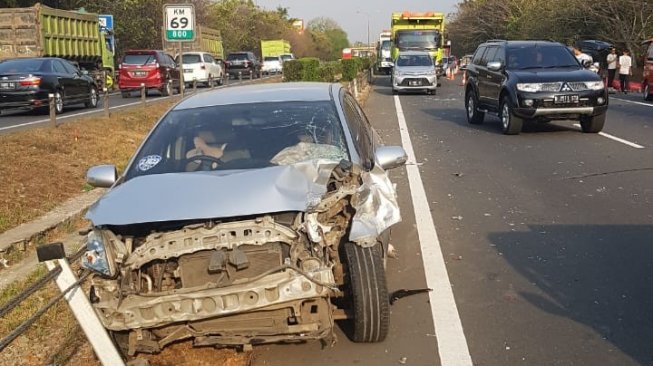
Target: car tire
(510, 124)
(474, 116)
(369, 293)
(58, 102)
(92, 98)
(592, 124)
(647, 96)
(166, 90)
(395, 91)
(221, 80)
(125, 94)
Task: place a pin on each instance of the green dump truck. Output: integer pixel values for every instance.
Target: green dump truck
(40, 31)
(206, 40)
(276, 47)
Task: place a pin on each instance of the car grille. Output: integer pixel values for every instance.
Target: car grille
(415, 82)
(550, 104)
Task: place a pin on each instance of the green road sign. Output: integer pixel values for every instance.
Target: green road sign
(179, 22)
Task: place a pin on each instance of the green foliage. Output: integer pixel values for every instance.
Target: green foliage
(350, 68)
(329, 71)
(310, 66)
(292, 70)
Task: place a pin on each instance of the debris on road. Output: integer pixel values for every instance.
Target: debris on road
(403, 360)
(457, 174)
(457, 217)
(392, 252)
(396, 295)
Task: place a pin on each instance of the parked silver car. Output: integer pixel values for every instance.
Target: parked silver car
(249, 215)
(414, 71)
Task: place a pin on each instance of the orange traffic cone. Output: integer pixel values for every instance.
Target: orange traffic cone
(464, 78)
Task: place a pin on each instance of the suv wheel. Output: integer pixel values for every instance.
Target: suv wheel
(92, 98)
(368, 292)
(647, 96)
(511, 125)
(474, 116)
(592, 124)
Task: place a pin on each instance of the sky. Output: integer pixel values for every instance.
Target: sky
(345, 12)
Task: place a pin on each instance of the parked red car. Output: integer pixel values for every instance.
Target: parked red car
(647, 80)
(156, 69)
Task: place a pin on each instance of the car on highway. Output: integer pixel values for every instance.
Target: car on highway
(414, 71)
(202, 68)
(243, 63)
(154, 69)
(647, 76)
(26, 83)
(249, 215)
(287, 56)
(533, 80)
(272, 65)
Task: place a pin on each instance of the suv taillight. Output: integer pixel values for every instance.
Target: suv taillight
(30, 81)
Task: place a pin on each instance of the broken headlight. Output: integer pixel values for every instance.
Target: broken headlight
(99, 256)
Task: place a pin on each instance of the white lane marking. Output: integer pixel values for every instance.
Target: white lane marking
(115, 107)
(452, 344)
(632, 101)
(618, 139)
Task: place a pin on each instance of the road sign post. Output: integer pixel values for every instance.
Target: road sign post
(179, 26)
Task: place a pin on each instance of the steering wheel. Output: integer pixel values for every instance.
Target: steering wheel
(205, 158)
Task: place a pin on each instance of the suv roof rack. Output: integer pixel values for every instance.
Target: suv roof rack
(495, 40)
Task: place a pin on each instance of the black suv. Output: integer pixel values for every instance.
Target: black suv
(245, 63)
(533, 80)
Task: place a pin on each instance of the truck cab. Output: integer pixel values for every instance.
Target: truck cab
(384, 61)
(412, 31)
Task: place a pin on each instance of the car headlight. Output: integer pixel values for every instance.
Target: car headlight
(98, 256)
(594, 85)
(529, 87)
(430, 72)
(398, 72)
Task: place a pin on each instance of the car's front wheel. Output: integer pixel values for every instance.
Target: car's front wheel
(92, 98)
(368, 293)
(592, 124)
(647, 96)
(511, 125)
(474, 116)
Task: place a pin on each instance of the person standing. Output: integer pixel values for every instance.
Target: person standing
(612, 66)
(584, 59)
(625, 70)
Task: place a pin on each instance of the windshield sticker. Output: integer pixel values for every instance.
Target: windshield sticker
(148, 162)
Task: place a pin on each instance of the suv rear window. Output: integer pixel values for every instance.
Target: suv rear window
(237, 56)
(139, 59)
(191, 59)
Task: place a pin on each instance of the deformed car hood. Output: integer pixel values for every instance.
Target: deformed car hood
(554, 75)
(204, 195)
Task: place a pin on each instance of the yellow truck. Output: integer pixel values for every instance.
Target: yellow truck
(206, 40)
(40, 31)
(422, 31)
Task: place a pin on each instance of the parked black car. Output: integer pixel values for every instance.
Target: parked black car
(26, 83)
(245, 63)
(533, 80)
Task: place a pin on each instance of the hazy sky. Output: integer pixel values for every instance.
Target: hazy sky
(344, 12)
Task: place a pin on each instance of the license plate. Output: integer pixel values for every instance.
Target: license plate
(414, 83)
(6, 85)
(139, 73)
(565, 99)
(188, 70)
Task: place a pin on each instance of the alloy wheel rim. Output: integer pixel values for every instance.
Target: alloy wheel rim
(470, 106)
(58, 102)
(505, 115)
(646, 92)
(93, 97)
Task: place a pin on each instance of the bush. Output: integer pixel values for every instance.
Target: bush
(328, 72)
(292, 70)
(350, 68)
(366, 63)
(310, 66)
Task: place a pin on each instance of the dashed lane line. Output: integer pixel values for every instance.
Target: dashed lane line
(452, 344)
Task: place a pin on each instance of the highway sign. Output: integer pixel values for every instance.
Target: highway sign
(179, 22)
(106, 21)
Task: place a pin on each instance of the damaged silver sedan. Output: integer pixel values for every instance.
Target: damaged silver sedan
(249, 215)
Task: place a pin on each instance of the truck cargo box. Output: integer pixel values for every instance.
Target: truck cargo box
(275, 47)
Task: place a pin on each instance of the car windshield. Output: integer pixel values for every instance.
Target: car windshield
(286, 57)
(385, 45)
(26, 65)
(534, 56)
(268, 58)
(414, 60)
(237, 56)
(191, 59)
(139, 59)
(241, 136)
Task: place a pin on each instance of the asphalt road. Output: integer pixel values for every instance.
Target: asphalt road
(15, 119)
(547, 238)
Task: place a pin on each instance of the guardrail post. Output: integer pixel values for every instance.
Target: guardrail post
(105, 101)
(227, 77)
(355, 88)
(53, 111)
(143, 93)
(240, 76)
(194, 86)
(251, 75)
(87, 318)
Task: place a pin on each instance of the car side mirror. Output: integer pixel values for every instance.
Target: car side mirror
(494, 65)
(390, 157)
(102, 176)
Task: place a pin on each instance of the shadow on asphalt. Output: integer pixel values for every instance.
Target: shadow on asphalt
(597, 275)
